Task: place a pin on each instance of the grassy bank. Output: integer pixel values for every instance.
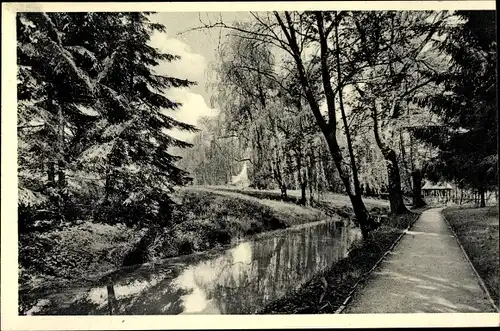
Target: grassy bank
(206, 220)
(325, 292)
(329, 203)
(215, 219)
(477, 231)
(338, 200)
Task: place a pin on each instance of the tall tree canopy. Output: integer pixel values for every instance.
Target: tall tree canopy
(467, 141)
(92, 113)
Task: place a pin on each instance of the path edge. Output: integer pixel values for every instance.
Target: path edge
(369, 272)
(478, 277)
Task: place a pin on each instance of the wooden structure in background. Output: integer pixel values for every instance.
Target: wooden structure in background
(437, 194)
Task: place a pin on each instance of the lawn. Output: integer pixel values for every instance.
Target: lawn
(338, 200)
(477, 230)
(245, 205)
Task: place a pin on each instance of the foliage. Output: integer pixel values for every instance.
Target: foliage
(262, 122)
(75, 251)
(214, 156)
(467, 139)
(91, 120)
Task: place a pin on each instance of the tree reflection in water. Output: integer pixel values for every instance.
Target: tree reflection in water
(271, 268)
(240, 280)
(139, 293)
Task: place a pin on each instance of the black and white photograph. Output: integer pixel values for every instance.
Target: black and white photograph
(276, 161)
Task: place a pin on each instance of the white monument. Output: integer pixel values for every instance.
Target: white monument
(241, 179)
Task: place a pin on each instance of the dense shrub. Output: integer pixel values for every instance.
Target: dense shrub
(72, 252)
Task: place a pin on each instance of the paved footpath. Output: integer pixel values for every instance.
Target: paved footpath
(426, 273)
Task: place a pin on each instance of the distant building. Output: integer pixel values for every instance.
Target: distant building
(437, 193)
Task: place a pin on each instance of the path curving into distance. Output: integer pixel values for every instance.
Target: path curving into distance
(427, 272)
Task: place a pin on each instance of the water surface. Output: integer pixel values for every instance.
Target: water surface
(240, 280)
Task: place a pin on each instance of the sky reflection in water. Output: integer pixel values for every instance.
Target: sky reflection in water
(240, 280)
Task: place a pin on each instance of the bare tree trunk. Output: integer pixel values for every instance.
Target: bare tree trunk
(418, 201)
(257, 180)
(51, 173)
(357, 188)
(360, 211)
(284, 195)
(278, 168)
(111, 299)
(404, 159)
(302, 180)
(395, 193)
(327, 128)
(310, 174)
(483, 200)
(303, 198)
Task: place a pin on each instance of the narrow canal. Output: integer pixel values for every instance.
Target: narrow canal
(240, 280)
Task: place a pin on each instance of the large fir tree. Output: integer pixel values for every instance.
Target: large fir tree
(90, 102)
(467, 141)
